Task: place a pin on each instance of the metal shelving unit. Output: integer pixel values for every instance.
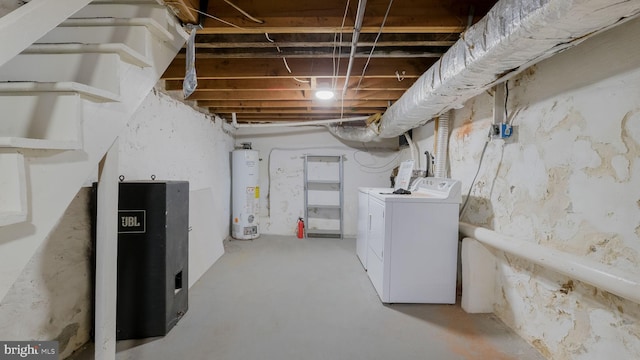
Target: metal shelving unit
(323, 196)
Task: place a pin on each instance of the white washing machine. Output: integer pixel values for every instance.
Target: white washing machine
(412, 242)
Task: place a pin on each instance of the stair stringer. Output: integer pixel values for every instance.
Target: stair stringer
(53, 177)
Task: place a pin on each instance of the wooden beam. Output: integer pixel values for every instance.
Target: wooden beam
(312, 111)
(311, 54)
(212, 28)
(406, 16)
(301, 68)
(368, 83)
(303, 44)
(286, 117)
(289, 95)
(289, 103)
(243, 84)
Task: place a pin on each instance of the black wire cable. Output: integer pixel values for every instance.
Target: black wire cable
(506, 101)
(484, 149)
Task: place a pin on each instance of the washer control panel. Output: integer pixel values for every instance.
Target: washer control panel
(440, 187)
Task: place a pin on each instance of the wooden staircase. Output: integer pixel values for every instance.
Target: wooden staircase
(65, 99)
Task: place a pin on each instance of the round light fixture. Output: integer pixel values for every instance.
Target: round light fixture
(324, 94)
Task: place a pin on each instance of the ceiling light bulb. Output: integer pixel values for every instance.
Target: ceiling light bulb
(324, 94)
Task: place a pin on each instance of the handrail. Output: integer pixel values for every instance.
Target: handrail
(616, 281)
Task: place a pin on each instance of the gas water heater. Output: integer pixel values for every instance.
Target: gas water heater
(245, 199)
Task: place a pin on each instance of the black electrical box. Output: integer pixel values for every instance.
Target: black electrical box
(153, 257)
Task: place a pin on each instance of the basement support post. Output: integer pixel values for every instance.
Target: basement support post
(106, 256)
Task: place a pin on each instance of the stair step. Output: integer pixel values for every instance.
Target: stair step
(125, 52)
(13, 193)
(156, 28)
(119, 10)
(135, 37)
(86, 92)
(42, 120)
(98, 70)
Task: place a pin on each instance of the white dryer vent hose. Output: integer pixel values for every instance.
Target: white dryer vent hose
(443, 146)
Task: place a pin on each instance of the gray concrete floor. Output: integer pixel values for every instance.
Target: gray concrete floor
(283, 298)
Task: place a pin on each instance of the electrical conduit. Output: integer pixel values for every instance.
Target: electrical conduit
(354, 42)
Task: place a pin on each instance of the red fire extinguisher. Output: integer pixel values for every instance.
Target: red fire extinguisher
(300, 231)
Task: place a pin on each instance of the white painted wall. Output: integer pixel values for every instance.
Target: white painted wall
(172, 141)
(281, 171)
(570, 182)
(52, 297)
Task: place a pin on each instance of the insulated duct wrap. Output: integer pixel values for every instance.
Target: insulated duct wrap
(514, 35)
(352, 133)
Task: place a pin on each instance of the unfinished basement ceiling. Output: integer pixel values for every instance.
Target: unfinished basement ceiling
(269, 71)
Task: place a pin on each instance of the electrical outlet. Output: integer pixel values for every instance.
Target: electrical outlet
(503, 131)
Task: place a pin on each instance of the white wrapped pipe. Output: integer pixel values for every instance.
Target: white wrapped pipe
(514, 35)
(605, 277)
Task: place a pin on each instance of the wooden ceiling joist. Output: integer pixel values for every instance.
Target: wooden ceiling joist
(369, 83)
(308, 44)
(311, 54)
(269, 68)
(216, 28)
(286, 117)
(289, 95)
(267, 71)
(265, 104)
(264, 111)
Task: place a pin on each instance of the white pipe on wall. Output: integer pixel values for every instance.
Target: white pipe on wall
(605, 277)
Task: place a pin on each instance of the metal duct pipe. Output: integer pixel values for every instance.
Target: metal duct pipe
(365, 134)
(514, 35)
(354, 42)
(602, 276)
